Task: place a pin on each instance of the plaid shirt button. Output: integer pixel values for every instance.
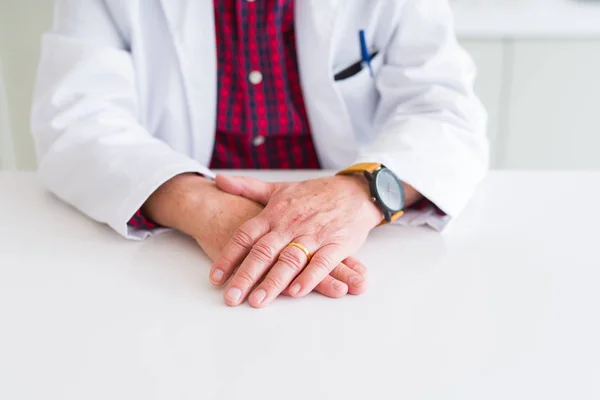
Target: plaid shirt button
(255, 77)
(258, 141)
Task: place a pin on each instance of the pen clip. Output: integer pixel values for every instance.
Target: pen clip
(364, 51)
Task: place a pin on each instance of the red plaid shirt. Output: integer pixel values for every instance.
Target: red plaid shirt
(261, 117)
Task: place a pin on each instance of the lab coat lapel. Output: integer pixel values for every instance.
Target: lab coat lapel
(315, 35)
(192, 27)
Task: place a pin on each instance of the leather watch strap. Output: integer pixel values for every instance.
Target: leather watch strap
(394, 217)
(360, 168)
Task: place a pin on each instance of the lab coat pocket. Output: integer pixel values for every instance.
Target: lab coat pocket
(361, 98)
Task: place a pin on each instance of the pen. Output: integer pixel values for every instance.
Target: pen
(364, 51)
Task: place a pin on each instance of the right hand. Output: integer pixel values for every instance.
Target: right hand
(196, 207)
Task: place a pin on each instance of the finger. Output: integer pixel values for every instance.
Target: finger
(322, 263)
(236, 250)
(329, 287)
(356, 282)
(291, 261)
(356, 265)
(258, 262)
(250, 188)
(333, 287)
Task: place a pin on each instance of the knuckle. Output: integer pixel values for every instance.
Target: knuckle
(292, 260)
(262, 252)
(322, 263)
(242, 239)
(281, 206)
(260, 224)
(361, 269)
(320, 234)
(342, 273)
(243, 278)
(273, 282)
(341, 233)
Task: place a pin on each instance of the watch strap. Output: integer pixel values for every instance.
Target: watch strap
(360, 168)
(394, 217)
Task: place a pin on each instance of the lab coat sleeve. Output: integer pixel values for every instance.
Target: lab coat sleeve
(93, 151)
(431, 124)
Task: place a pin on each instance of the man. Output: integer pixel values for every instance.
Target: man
(137, 100)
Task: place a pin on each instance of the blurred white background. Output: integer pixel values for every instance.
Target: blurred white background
(539, 77)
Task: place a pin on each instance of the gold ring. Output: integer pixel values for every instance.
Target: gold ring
(301, 247)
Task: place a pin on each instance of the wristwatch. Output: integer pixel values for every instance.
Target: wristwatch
(386, 189)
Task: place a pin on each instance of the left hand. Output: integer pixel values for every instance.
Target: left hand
(195, 206)
(330, 216)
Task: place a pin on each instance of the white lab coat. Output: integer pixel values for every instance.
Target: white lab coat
(126, 99)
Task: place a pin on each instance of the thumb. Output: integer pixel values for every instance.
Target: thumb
(250, 188)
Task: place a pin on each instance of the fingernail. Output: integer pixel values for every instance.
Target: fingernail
(259, 296)
(337, 285)
(233, 294)
(217, 276)
(356, 281)
(295, 288)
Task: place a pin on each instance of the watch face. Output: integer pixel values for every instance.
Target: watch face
(390, 190)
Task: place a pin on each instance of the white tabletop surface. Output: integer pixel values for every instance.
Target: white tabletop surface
(504, 305)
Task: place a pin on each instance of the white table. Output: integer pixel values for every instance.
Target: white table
(503, 306)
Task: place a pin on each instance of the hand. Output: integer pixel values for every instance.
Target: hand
(195, 206)
(331, 217)
(348, 277)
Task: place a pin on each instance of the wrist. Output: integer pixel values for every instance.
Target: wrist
(399, 195)
(176, 201)
(205, 209)
(412, 196)
(362, 184)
